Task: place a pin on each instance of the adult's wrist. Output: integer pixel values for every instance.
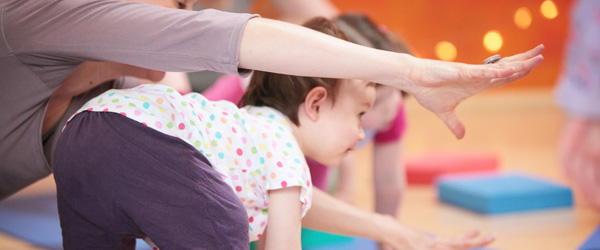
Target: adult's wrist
(397, 70)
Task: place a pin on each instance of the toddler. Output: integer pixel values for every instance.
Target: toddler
(384, 124)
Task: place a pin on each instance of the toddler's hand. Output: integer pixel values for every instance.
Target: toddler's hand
(398, 237)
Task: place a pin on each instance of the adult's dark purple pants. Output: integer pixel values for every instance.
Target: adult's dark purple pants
(118, 180)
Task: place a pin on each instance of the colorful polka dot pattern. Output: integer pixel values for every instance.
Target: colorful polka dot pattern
(253, 148)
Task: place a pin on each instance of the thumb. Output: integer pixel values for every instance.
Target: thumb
(453, 123)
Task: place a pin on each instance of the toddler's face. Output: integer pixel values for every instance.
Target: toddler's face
(384, 110)
(340, 126)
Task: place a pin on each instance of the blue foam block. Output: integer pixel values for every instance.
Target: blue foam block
(592, 242)
(35, 220)
(503, 193)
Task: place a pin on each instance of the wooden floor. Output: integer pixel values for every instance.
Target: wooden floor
(520, 126)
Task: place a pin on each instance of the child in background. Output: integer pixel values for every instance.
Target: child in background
(384, 124)
(189, 173)
(578, 93)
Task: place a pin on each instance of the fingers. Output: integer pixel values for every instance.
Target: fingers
(495, 71)
(499, 82)
(528, 64)
(385, 247)
(453, 123)
(480, 241)
(521, 69)
(538, 50)
(466, 241)
(519, 63)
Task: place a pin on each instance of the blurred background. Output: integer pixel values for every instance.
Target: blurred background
(470, 30)
(519, 123)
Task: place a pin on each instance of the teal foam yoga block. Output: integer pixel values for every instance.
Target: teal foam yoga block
(317, 240)
(503, 193)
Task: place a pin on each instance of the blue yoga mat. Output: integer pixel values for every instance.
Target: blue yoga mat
(35, 220)
(592, 242)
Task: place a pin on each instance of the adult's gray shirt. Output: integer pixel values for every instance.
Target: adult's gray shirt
(43, 41)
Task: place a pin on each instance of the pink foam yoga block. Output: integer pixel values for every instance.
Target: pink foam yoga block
(426, 168)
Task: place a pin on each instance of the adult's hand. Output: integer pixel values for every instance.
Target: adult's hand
(437, 85)
(440, 86)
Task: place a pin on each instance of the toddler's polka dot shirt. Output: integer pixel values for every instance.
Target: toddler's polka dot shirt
(253, 148)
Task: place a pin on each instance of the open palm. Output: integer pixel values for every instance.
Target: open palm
(440, 86)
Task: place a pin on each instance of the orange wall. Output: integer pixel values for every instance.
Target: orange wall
(423, 23)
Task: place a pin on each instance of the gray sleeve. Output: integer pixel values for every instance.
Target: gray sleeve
(578, 90)
(52, 33)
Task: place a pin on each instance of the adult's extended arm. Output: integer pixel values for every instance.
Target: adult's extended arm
(439, 86)
(53, 36)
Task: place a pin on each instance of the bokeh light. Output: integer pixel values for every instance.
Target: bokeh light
(523, 18)
(492, 41)
(548, 9)
(445, 50)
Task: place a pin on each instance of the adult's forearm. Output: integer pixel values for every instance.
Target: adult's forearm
(275, 46)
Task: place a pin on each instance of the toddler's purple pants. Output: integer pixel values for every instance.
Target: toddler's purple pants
(118, 180)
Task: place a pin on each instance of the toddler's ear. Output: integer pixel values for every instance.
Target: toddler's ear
(313, 103)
